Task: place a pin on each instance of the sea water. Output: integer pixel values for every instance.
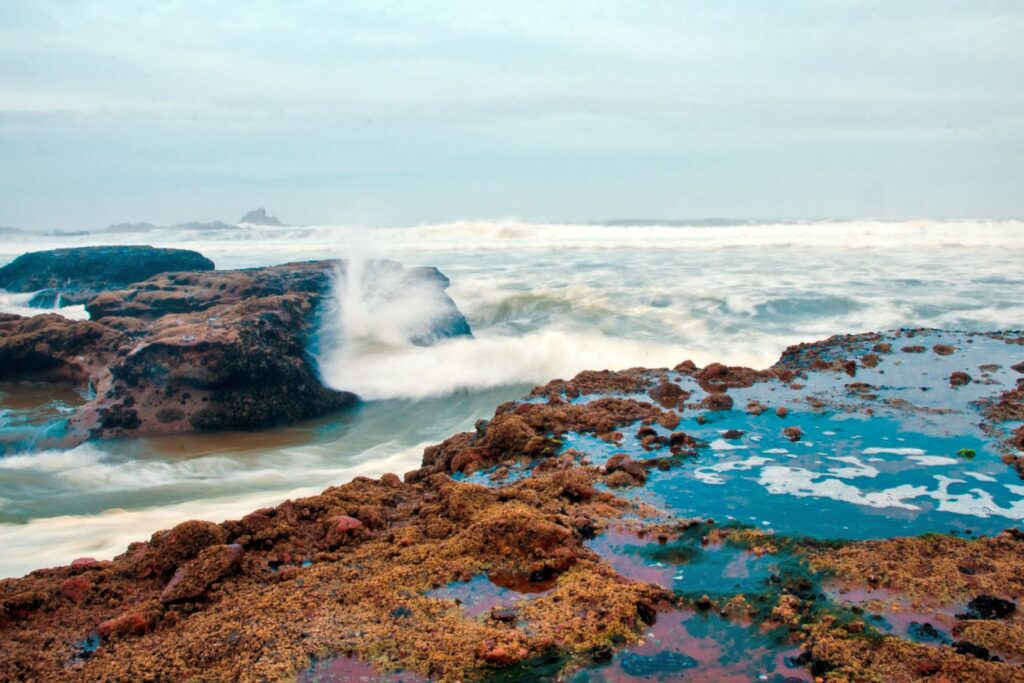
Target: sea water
(544, 301)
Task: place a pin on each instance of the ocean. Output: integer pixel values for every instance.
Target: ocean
(544, 301)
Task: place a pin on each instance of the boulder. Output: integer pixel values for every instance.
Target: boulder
(75, 275)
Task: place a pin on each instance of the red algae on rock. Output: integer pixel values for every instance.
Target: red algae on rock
(232, 601)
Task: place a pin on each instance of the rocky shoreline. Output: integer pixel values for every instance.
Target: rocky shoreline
(193, 350)
(558, 541)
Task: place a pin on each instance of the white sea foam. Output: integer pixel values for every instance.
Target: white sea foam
(976, 502)
(86, 455)
(723, 445)
(712, 474)
(857, 468)
(489, 361)
(932, 460)
(893, 451)
(51, 540)
(802, 483)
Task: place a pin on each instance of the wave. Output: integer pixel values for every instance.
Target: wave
(492, 361)
(17, 303)
(259, 246)
(57, 539)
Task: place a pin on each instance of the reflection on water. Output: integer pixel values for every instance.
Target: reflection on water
(697, 646)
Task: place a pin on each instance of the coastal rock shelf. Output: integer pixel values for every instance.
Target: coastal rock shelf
(851, 513)
(204, 350)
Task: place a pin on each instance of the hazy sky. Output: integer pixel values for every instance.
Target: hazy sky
(407, 112)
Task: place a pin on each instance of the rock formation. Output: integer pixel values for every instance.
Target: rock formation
(260, 217)
(204, 350)
(78, 274)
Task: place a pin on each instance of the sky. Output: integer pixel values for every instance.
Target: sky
(386, 113)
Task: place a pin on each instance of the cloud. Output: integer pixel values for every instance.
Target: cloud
(509, 89)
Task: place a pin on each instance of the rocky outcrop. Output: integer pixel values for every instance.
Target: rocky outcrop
(78, 274)
(49, 346)
(204, 350)
(260, 217)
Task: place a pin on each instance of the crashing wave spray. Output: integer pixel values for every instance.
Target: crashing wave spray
(377, 308)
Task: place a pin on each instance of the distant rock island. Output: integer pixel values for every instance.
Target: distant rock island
(260, 217)
(254, 217)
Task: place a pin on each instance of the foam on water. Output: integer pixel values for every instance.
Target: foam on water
(219, 493)
(17, 303)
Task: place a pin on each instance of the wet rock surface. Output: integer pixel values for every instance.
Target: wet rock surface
(611, 529)
(78, 274)
(204, 350)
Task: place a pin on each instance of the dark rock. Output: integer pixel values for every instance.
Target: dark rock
(967, 648)
(192, 580)
(667, 394)
(988, 607)
(133, 623)
(50, 346)
(687, 367)
(793, 433)
(925, 632)
(717, 377)
(621, 462)
(505, 615)
(681, 440)
(717, 402)
(169, 549)
(310, 281)
(78, 274)
(959, 379)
